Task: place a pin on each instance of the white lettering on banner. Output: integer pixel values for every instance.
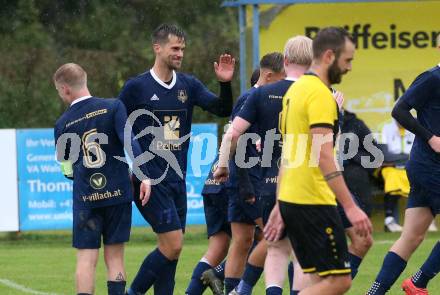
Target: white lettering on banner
(47, 142)
(66, 215)
(42, 204)
(32, 169)
(38, 186)
(31, 143)
(55, 168)
(42, 158)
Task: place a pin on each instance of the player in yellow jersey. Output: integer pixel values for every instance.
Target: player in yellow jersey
(310, 181)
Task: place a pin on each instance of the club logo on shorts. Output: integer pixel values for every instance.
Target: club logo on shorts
(98, 181)
(182, 96)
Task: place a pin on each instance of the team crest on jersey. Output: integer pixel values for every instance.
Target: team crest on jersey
(181, 95)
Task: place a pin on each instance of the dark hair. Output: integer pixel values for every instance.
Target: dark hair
(273, 61)
(161, 34)
(330, 38)
(255, 76)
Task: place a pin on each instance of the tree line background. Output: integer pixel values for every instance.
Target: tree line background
(110, 39)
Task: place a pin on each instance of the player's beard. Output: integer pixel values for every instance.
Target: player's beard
(335, 73)
(174, 64)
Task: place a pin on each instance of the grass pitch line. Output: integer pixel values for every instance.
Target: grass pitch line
(21, 288)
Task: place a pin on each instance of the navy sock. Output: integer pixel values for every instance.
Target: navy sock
(219, 271)
(230, 284)
(83, 294)
(116, 287)
(196, 285)
(429, 269)
(355, 261)
(294, 292)
(149, 271)
(164, 285)
(252, 274)
(290, 274)
(392, 267)
(274, 290)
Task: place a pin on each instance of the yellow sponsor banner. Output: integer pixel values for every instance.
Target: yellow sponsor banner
(395, 43)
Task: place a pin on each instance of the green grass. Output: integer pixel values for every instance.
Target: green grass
(45, 261)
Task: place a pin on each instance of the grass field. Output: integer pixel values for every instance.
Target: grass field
(44, 262)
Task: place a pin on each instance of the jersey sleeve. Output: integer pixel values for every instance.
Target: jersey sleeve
(420, 90)
(208, 101)
(249, 110)
(321, 109)
(127, 96)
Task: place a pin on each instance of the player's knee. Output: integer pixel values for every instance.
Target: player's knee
(362, 245)
(341, 283)
(172, 249)
(244, 242)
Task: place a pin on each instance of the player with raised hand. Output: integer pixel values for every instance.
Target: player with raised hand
(164, 99)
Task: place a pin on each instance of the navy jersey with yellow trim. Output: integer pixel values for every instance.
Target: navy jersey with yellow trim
(99, 179)
(262, 109)
(172, 106)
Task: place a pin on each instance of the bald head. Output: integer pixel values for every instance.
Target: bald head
(72, 75)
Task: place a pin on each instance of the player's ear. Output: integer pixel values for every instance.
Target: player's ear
(329, 56)
(156, 48)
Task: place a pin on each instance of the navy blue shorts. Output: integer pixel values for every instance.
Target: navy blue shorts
(421, 197)
(166, 208)
(345, 222)
(216, 213)
(113, 223)
(267, 204)
(241, 211)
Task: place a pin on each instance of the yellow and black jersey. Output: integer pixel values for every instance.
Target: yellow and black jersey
(307, 104)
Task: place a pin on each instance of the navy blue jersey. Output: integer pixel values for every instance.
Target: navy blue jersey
(99, 179)
(211, 185)
(172, 105)
(251, 151)
(262, 109)
(424, 96)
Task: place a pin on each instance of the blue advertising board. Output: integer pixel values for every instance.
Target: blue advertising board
(45, 200)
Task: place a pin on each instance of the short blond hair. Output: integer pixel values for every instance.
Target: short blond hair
(298, 50)
(71, 74)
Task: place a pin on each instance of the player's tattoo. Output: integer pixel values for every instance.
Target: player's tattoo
(332, 175)
(120, 277)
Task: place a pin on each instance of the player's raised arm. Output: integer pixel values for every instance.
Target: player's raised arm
(220, 105)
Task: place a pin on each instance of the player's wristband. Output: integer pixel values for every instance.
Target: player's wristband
(332, 175)
(67, 168)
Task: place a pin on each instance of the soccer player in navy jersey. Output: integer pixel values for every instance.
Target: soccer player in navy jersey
(89, 136)
(167, 99)
(235, 202)
(262, 109)
(423, 169)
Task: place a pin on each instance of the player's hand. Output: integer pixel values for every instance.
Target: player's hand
(221, 174)
(275, 225)
(434, 143)
(224, 69)
(360, 221)
(145, 191)
(339, 97)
